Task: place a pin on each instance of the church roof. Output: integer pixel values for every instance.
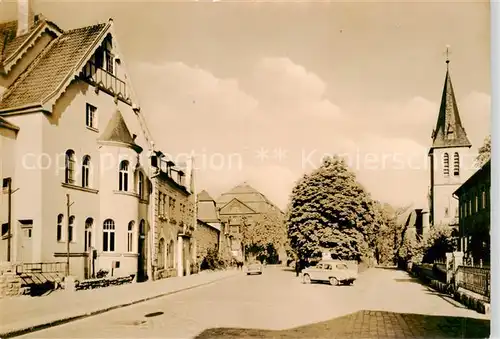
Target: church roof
(449, 131)
(117, 131)
(248, 196)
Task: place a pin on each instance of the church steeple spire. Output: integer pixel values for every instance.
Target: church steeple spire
(449, 131)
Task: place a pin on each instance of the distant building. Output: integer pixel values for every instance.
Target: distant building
(239, 207)
(208, 232)
(450, 160)
(474, 201)
(417, 223)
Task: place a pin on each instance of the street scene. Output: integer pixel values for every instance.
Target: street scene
(226, 169)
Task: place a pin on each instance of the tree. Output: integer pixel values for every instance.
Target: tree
(330, 209)
(391, 235)
(484, 152)
(264, 234)
(439, 242)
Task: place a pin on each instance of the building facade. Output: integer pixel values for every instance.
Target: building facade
(450, 157)
(474, 226)
(240, 208)
(79, 154)
(174, 218)
(208, 234)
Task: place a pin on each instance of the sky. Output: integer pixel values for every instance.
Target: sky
(260, 91)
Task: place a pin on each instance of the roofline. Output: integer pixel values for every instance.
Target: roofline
(471, 178)
(241, 202)
(56, 94)
(8, 125)
(135, 147)
(432, 148)
(12, 60)
(30, 108)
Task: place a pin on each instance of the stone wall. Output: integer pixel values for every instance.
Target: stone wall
(206, 237)
(10, 282)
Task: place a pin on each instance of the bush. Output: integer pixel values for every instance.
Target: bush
(212, 260)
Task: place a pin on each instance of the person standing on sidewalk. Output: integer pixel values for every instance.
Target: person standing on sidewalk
(298, 267)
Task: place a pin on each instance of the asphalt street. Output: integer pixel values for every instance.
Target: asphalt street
(382, 303)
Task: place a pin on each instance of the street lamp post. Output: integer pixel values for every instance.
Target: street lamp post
(68, 205)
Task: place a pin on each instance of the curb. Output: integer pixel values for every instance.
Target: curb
(53, 323)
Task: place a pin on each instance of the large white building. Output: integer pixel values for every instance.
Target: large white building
(77, 152)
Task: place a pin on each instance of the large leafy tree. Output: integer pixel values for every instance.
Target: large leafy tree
(330, 209)
(484, 152)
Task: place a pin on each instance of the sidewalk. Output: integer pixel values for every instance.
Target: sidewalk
(23, 314)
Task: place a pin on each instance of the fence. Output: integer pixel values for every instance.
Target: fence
(475, 279)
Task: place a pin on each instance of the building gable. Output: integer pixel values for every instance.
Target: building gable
(235, 206)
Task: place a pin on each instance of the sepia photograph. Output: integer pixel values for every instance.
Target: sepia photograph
(202, 169)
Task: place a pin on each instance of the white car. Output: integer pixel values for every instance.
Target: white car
(254, 268)
(334, 272)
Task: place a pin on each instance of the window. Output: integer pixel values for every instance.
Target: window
(130, 238)
(70, 167)
(456, 164)
(110, 59)
(59, 227)
(91, 116)
(161, 254)
(123, 180)
(140, 188)
(86, 171)
(476, 203)
(108, 236)
(71, 224)
(446, 164)
(88, 233)
(483, 199)
(446, 213)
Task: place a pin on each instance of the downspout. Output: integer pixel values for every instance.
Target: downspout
(152, 231)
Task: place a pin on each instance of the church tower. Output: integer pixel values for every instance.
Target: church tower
(450, 159)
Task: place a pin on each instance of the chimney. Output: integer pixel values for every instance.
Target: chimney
(25, 16)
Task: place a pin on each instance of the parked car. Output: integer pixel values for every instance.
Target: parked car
(334, 272)
(254, 267)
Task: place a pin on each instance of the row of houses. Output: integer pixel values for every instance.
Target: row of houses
(83, 182)
(459, 191)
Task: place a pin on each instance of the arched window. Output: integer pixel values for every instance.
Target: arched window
(161, 254)
(456, 164)
(86, 171)
(88, 233)
(446, 164)
(108, 236)
(71, 225)
(59, 230)
(70, 167)
(140, 185)
(130, 238)
(123, 180)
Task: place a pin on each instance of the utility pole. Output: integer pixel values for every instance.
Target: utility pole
(9, 218)
(68, 205)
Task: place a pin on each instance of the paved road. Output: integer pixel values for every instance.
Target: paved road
(381, 304)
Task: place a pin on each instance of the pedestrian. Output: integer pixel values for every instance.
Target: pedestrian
(298, 266)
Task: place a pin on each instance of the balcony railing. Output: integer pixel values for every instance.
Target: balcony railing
(105, 81)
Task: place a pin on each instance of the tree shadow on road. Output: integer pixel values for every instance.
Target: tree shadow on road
(369, 324)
